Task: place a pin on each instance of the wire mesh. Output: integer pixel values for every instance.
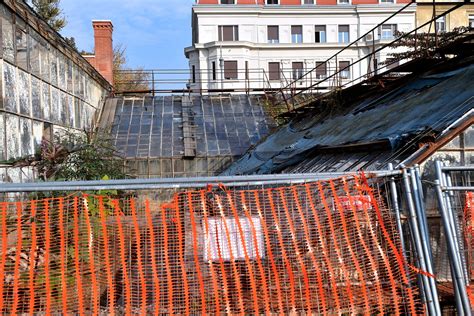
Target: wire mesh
(326, 247)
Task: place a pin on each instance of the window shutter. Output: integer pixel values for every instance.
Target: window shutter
(296, 29)
(230, 69)
(228, 33)
(273, 32)
(344, 28)
(320, 28)
(321, 70)
(274, 71)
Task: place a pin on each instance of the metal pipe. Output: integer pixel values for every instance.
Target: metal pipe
(457, 228)
(448, 203)
(457, 269)
(396, 208)
(458, 168)
(418, 190)
(446, 197)
(418, 245)
(425, 238)
(147, 186)
(181, 181)
(422, 200)
(457, 188)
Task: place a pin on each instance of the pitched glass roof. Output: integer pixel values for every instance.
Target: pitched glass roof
(163, 126)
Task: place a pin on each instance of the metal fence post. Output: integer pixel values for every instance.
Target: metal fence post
(418, 245)
(462, 299)
(425, 238)
(396, 208)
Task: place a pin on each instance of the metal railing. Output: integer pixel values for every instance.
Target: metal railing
(167, 81)
(289, 95)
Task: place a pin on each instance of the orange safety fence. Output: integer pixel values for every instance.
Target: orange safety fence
(327, 247)
(469, 240)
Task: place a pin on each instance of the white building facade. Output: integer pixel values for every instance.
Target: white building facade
(238, 47)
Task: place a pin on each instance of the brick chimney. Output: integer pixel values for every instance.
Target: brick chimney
(103, 60)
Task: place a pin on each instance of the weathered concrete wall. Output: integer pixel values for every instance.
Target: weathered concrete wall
(46, 86)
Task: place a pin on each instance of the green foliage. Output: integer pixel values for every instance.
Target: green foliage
(93, 158)
(75, 155)
(50, 12)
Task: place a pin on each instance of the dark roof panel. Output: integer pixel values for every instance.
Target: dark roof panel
(422, 107)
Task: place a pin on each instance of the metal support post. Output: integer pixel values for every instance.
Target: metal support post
(396, 208)
(425, 238)
(418, 245)
(448, 204)
(457, 227)
(456, 285)
(462, 299)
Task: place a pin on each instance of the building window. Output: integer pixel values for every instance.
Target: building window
(230, 70)
(194, 73)
(441, 24)
(273, 34)
(309, 2)
(227, 1)
(320, 33)
(387, 1)
(274, 71)
(21, 45)
(321, 70)
(228, 33)
(344, 1)
(471, 20)
(345, 72)
(343, 33)
(387, 31)
(297, 70)
(214, 71)
(272, 2)
(296, 34)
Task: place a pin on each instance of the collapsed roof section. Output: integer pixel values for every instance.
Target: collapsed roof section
(371, 129)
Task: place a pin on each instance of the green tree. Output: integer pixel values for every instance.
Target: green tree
(50, 12)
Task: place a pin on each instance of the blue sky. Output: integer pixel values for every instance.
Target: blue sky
(154, 32)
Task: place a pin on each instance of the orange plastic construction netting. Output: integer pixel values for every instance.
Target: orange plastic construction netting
(468, 226)
(319, 248)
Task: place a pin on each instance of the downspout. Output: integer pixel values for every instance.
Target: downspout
(359, 55)
(221, 65)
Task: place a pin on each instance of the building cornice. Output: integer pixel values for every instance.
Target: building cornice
(280, 46)
(288, 10)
